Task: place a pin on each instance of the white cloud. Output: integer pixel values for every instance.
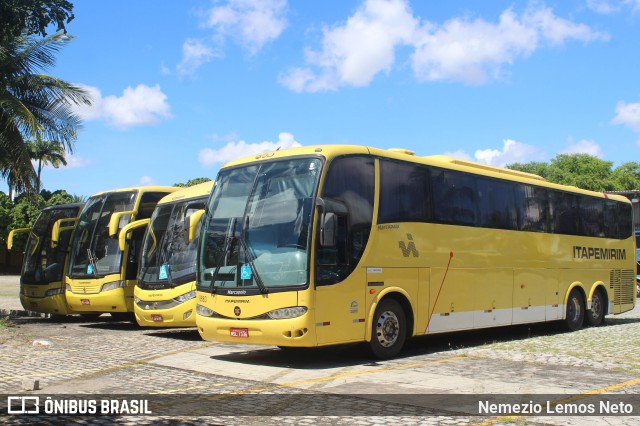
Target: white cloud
(628, 115)
(583, 146)
(461, 49)
(607, 7)
(251, 23)
(194, 53)
(235, 150)
(353, 53)
(146, 180)
(511, 152)
(137, 106)
(77, 162)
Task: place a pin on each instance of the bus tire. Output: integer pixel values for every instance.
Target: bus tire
(575, 311)
(595, 315)
(388, 330)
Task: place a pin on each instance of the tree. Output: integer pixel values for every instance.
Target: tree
(192, 182)
(627, 176)
(18, 17)
(34, 105)
(46, 152)
(534, 167)
(581, 170)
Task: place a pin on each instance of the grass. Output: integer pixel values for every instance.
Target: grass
(5, 322)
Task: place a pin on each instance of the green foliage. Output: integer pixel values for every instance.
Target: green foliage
(33, 17)
(34, 105)
(6, 206)
(534, 167)
(585, 171)
(192, 182)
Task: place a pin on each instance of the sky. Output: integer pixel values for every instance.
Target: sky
(181, 87)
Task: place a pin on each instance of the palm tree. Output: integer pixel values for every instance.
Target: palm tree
(34, 105)
(46, 152)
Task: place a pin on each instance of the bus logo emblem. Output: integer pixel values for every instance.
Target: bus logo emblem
(237, 311)
(409, 248)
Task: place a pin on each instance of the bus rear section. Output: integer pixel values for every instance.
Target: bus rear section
(101, 277)
(165, 293)
(42, 277)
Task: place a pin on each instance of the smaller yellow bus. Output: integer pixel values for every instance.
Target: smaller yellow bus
(165, 293)
(101, 276)
(42, 282)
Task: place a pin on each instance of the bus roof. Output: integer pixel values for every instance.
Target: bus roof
(441, 161)
(195, 191)
(141, 188)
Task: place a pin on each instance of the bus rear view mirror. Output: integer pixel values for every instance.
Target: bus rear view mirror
(328, 229)
(192, 225)
(117, 221)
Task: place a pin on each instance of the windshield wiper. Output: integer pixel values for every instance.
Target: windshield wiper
(249, 257)
(92, 261)
(228, 243)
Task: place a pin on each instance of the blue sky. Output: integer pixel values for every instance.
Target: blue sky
(181, 87)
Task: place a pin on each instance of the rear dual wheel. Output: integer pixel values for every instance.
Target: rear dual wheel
(575, 311)
(595, 315)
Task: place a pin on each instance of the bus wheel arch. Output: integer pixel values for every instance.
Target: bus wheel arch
(575, 308)
(594, 316)
(390, 325)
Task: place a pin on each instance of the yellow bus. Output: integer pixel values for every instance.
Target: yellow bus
(100, 276)
(42, 283)
(165, 293)
(324, 245)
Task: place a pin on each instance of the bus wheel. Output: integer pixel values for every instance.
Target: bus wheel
(595, 315)
(575, 311)
(389, 329)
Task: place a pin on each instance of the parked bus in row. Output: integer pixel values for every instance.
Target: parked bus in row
(101, 277)
(42, 283)
(165, 293)
(325, 245)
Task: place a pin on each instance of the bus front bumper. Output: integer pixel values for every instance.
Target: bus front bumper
(183, 315)
(116, 300)
(293, 332)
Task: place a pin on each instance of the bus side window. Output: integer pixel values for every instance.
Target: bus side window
(350, 181)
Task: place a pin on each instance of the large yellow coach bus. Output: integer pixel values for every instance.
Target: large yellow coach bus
(165, 293)
(101, 277)
(42, 283)
(324, 245)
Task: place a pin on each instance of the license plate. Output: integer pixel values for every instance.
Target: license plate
(85, 301)
(239, 332)
(156, 318)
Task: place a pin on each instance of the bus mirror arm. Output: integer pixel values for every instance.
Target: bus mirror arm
(122, 237)
(192, 224)
(114, 222)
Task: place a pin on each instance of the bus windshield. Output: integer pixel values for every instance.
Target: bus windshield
(256, 234)
(168, 259)
(42, 263)
(94, 254)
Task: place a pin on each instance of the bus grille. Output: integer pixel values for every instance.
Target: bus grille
(623, 283)
(86, 289)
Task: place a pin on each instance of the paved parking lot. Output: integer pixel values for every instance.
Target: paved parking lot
(215, 383)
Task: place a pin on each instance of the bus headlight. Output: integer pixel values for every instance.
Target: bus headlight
(187, 296)
(54, 291)
(204, 311)
(68, 288)
(286, 313)
(113, 285)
